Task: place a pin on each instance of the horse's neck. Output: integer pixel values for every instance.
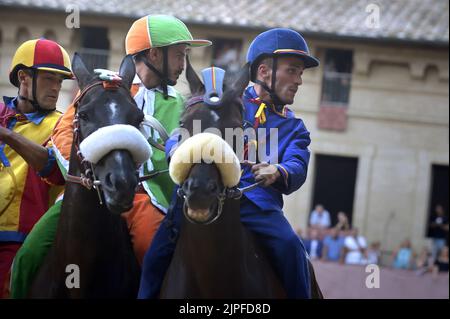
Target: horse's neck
(84, 221)
(95, 240)
(81, 203)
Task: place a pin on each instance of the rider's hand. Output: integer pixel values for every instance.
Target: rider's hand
(265, 172)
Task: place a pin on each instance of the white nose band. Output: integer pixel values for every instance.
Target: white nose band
(116, 137)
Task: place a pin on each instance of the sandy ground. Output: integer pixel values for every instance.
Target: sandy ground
(348, 281)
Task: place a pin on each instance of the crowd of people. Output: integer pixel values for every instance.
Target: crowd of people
(343, 244)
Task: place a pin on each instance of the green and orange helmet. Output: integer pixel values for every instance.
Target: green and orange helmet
(159, 31)
(155, 31)
(40, 54)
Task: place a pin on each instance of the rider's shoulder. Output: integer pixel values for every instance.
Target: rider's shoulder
(53, 116)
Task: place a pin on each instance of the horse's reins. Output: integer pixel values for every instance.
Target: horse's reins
(235, 192)
(155, 124)
(88, 178)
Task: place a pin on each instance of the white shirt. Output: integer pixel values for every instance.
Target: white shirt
(313, 252)
(322, 220)
(354, 255)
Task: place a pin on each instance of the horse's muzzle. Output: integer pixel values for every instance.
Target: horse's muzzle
(118, 208)
(118, 177)
(199, 209)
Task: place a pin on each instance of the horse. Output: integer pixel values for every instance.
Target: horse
(215, 255)
(92, 256)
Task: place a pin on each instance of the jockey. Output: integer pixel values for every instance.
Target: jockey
(26, 158)
(278, 58)
(159, 45)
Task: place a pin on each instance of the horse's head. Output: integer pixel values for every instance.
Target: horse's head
(204, 182)
(218, 108)
(106, 123)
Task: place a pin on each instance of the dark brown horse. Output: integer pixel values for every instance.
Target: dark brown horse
(216, 256)
(92, 240)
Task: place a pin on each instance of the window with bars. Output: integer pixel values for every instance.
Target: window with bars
(336, 87)
(227, 54)
(337, 77)
(94, 47)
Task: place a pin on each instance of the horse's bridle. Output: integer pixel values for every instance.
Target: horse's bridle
(88, 178)
(220, 201)
(227, 193)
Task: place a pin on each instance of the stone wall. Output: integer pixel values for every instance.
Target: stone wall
(397, 117)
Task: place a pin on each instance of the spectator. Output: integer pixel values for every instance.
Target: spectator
(355, 248)
(342, 224)
(441, 263)
(439, 230)
(320, 218)
(403, 257)
(423, 261)
(332, 246)
(374, 253)
(313, 244)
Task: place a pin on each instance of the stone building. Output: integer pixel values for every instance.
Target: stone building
(377, 107)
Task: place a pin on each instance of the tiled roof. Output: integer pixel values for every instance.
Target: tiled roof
(399, 20)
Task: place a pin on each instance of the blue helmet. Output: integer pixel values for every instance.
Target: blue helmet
(275, 43)
(280, 41)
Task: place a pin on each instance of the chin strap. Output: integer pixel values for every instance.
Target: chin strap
(164, 76)
(276, 101)
(34, 101)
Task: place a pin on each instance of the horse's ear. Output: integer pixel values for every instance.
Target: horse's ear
(242, 80)
(195, 84)
(80, 71)
(127, 71)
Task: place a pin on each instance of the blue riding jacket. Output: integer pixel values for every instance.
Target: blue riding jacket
(292, 157)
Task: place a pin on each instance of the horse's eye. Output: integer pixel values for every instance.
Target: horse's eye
(83, 116)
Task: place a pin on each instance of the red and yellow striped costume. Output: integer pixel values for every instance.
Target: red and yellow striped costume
(25, 200)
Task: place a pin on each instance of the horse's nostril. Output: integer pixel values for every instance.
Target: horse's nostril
(192, 185)
(108, 180)
(212, 187)
(116, 181)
